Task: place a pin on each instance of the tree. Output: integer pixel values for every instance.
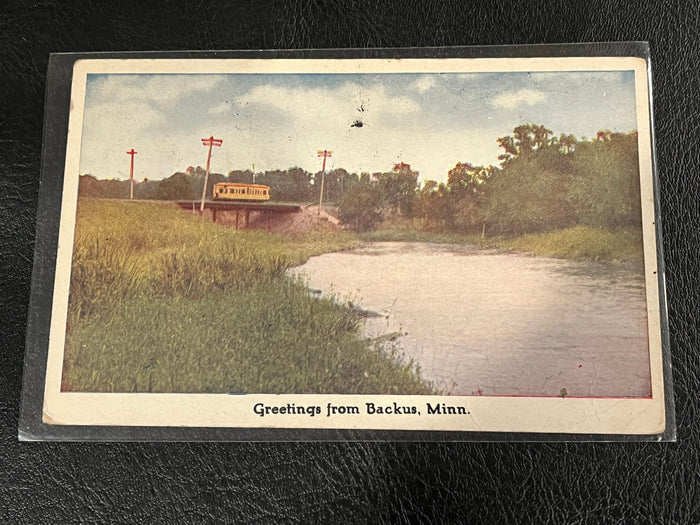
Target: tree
(567, 144)
(427, 202)
(89, 186)
(605, 191)
(465, 179)
(146, 189)
(435, 205)
(296, 184)
(466, 185)
(293, 184)
(526, 139)
(242, 176)
(397, 188)
(511, 150)
(176, 187)
(529, 193)
(361, 207)
(335, 184)
(527, 196)
(603, 135)
(540, 136)
(561, 182)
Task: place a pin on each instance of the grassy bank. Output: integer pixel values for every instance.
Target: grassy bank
(579, 242)
(410, 235)
(163, 301)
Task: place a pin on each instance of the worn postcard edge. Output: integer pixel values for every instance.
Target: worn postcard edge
(634, 416)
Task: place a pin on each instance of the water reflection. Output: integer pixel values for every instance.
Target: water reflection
(492, 323)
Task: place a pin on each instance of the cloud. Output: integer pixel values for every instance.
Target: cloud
(281, 121)
(162, 90)
(113, 119)
(275, 126)
(578, 76)
(424, 84)
(514, 99)
(221, 109)
(474, 77)
(335, 107)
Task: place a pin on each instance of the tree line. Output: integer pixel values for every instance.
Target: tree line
(290, 185)
(542, 183)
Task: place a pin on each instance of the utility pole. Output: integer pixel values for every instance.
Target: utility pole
(211, 141)
(131, 170)
(325, 154)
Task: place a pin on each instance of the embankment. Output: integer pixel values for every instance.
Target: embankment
(307, 219)
(164, 301)
(579, 242)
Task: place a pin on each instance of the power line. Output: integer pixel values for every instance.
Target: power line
(211, 141)
(325, 154)
(131, 170)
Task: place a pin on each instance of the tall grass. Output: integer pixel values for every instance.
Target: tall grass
(272, 337)
(578, 242)
(582, 242)
(123, 249)
(165, 301)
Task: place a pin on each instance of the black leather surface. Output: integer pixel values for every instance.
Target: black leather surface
(356, 482)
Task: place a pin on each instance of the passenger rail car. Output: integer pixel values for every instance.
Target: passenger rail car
(235, 191)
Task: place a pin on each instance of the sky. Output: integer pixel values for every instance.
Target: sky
(279, 121)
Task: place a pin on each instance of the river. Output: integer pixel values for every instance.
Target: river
(483, 322)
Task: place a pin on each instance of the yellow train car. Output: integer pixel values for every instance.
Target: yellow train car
(235, 191)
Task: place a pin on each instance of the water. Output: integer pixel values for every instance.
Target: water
(480, 322)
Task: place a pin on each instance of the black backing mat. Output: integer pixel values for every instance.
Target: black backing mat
(56, 115)
(353, 482)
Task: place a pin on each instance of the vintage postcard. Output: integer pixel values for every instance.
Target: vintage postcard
(368, 244)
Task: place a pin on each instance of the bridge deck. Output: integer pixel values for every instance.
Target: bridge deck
(276, 207)
(269, 208)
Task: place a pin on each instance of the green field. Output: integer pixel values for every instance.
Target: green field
(165, 301)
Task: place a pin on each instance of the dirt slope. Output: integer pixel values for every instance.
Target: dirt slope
(308, 218)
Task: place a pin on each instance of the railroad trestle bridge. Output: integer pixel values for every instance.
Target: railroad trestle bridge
(241, 209)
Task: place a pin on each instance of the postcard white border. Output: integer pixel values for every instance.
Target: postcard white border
(642, 416)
